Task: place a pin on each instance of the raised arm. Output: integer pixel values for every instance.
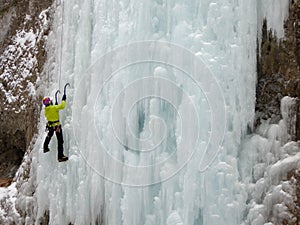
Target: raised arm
(60, 106)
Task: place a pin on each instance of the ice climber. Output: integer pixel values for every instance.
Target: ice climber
(53, 125)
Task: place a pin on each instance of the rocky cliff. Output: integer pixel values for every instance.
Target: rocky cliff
(278, 74)
(278, 70)
(25, 25)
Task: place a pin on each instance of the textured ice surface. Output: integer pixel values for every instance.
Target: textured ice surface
(142, 118)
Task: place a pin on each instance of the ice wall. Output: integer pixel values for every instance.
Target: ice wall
(162, 95)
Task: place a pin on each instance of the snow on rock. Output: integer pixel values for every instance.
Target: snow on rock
(273, 156)
(8, 212)
(19, 64)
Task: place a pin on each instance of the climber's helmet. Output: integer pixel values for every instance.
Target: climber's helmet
(47, 101)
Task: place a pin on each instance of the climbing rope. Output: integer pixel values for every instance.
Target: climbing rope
(61, 42)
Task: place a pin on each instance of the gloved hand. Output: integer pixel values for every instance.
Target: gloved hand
(64, 98)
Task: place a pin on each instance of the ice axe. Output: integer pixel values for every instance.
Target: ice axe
(56, 102)
(65, 88)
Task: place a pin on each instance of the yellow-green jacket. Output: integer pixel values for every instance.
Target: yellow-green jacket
(52, 113)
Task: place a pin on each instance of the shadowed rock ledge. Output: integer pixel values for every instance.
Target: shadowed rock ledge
(278, 69)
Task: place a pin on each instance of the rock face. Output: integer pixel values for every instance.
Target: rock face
(278, 76)
(278, 69)
(22, 55)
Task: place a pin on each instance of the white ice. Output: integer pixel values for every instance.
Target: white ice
(162, 94)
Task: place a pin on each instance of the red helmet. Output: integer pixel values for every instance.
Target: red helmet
(46, 101)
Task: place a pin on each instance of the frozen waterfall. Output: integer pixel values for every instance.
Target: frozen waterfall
(162, 95)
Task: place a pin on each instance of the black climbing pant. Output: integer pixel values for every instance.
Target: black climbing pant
(60, 139)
